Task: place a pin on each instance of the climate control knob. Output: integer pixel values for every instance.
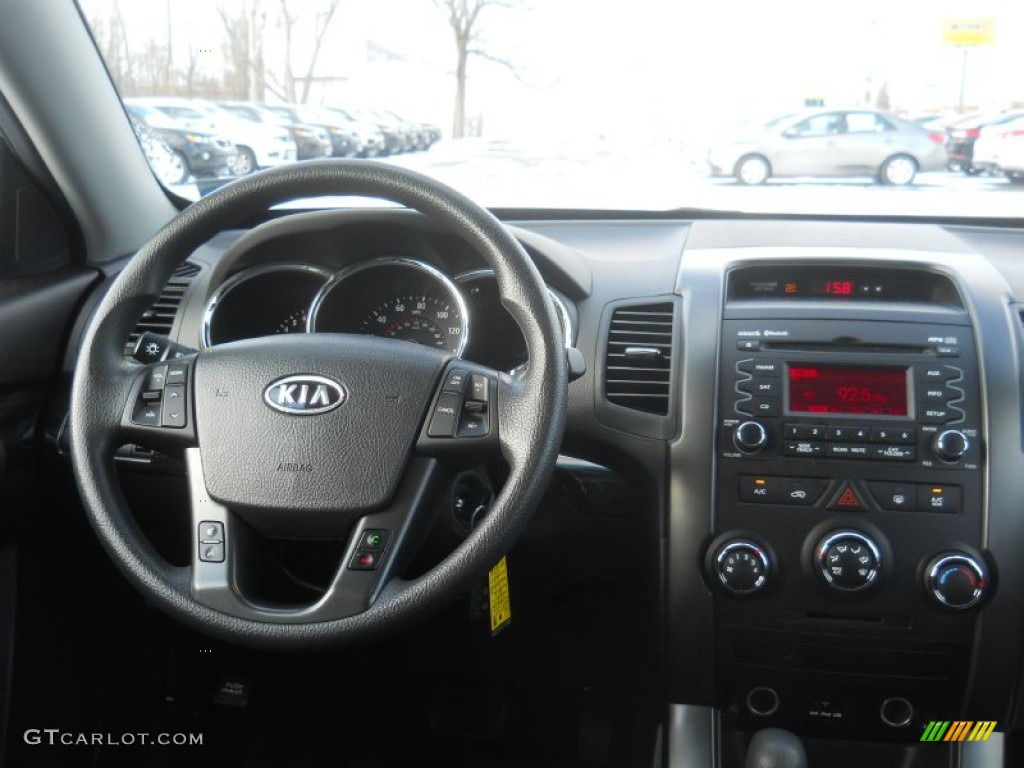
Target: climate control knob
(956, 580)
(848, 560)
(742, 566)
(750, 437)
(950, 446)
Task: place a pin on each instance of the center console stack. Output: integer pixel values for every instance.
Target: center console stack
(847, 543)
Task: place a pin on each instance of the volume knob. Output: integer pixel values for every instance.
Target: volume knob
(750, 437)
(950, 446)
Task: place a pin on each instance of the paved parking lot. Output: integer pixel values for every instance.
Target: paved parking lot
(503, 175)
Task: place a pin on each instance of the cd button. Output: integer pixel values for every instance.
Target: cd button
(763, 406)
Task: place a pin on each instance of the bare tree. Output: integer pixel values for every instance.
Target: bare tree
(244, 77)
(464, 21)
(288, 88)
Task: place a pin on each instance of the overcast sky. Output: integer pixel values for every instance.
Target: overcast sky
(649, 69)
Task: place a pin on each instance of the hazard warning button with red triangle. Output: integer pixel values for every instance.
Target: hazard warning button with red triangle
(847, 499)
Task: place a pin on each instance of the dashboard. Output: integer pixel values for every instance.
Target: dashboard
(827, 415)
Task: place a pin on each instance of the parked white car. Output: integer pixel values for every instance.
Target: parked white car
(1000, 148)
(259, 145)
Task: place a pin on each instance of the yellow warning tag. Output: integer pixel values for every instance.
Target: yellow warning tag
(501, 606)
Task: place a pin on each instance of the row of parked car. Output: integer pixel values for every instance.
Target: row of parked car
(195, 138)
(985, 143)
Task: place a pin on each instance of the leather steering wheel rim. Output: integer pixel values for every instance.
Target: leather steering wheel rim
(531, 411)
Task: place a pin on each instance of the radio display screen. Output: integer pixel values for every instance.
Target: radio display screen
(848, 390)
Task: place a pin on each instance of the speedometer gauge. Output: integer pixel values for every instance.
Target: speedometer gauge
(394, 297)
(422, 319)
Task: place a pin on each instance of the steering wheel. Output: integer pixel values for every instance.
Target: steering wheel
(315, 435)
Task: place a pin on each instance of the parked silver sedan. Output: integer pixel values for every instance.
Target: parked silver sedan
(847, 142)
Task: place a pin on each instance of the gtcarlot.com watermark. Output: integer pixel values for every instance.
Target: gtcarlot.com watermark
(55, 736)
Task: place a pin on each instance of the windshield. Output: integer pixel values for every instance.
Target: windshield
(792, 107)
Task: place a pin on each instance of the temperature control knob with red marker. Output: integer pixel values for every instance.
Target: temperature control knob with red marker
(956, 580)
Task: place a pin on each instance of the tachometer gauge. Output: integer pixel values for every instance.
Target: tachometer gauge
(394, 297)
(422, 319)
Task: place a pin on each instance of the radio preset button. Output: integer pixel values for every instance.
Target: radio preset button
(840, 433)
(803, 448)
(895, 497)
(804, 431)
(889, 435)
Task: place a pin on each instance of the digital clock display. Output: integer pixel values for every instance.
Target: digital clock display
(847, 390)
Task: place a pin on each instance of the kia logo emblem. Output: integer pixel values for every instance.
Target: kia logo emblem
(304, 394)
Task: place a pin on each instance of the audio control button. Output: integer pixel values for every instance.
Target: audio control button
(748, 345)
(802, 448)
(850, 450)
(804, 431)
(890, 435)
(895, 452)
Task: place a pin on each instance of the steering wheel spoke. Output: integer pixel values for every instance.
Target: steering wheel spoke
(159, 409)
(228, 565)
(462, 425)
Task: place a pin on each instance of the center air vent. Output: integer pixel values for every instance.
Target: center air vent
(160, 317)
(638, 358)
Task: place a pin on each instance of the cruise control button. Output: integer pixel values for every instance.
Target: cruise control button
(801, 491)
(894, 497)
(445, 414)
(455, 382)
(759, 489)
(173, 414)
(478, 390)
(938, 498)
(472, 425)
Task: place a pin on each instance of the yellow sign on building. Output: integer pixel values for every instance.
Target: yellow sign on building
(969, 31)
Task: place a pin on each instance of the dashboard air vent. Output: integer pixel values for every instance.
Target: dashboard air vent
(638, 358)
(160, 317)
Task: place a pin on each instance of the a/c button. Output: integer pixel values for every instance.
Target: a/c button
(759, 489)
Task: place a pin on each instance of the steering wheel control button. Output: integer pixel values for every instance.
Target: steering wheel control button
(146, 414)
(211, 532)
(455, 382)
(365, 560)
(478, 389)
(956, 580)
(174, 406)
(742, 567)
(156, 379)
(151, 348)
(848, 561)
(374, 539)
(211, 553)
(177, 373)
(445, 415)
(759, 490)
(473, 425)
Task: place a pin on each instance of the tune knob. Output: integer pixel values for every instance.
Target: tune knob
(742, 566)
(750, 437)
(950, 446)
(956, 580)
(848, 561)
